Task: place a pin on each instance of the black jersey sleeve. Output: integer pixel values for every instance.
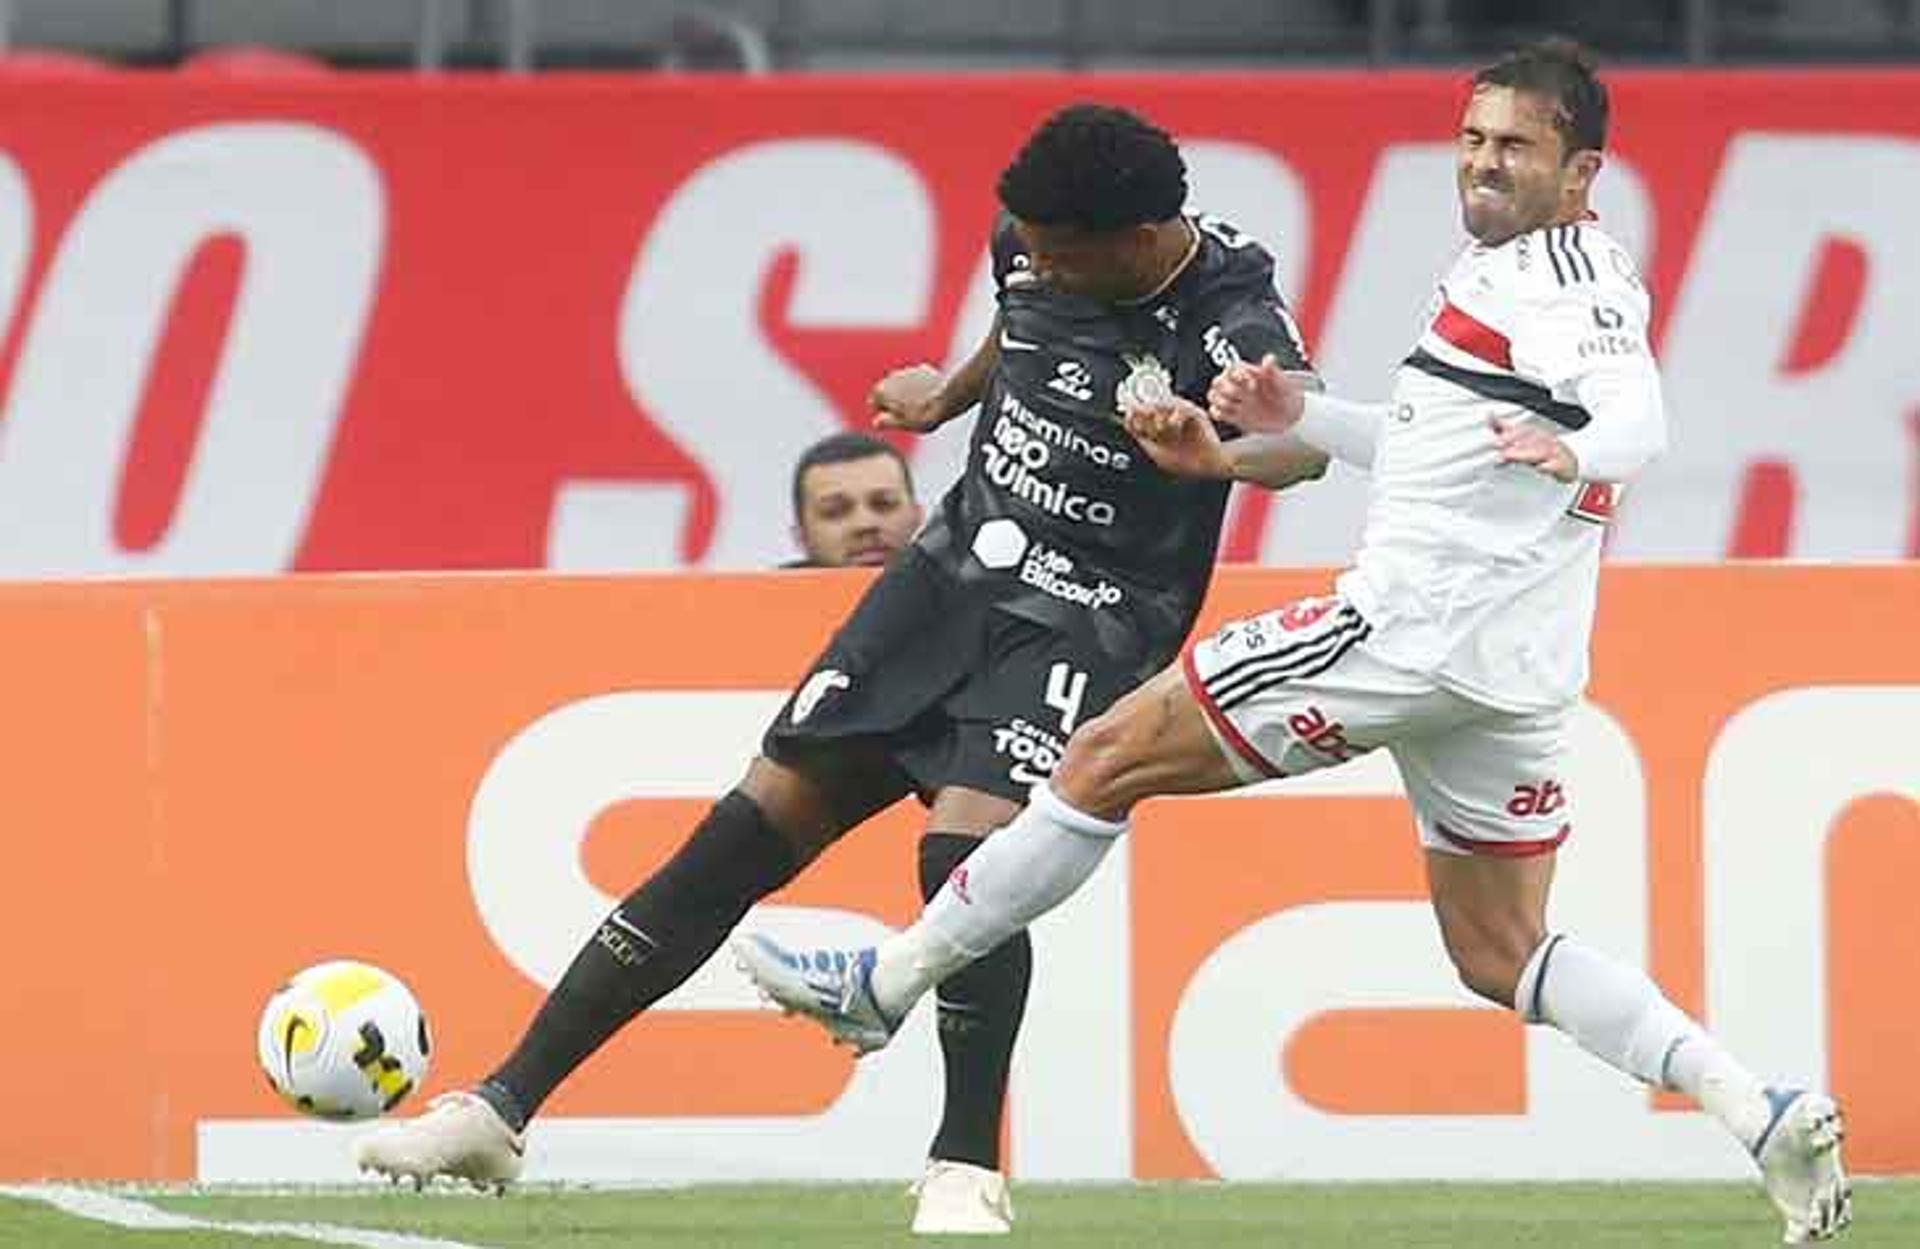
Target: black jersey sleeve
(1246, 317)
(1254, 328)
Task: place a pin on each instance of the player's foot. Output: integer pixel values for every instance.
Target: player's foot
(960, 1199)
(834, 987)
(1799, 1157)
(460, 1136)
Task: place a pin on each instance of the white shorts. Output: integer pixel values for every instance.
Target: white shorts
(1297, 689)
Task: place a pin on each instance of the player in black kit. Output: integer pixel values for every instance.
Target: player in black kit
(1062, 569)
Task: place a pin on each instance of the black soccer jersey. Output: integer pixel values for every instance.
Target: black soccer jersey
(1060, 516)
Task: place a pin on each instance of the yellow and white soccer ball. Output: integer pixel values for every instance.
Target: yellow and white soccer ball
(343, 1040)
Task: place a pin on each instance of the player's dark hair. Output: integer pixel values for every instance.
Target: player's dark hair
(1562, 73)
(838, 449)
(1095, 168)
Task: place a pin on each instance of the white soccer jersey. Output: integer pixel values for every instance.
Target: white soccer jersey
(1484, 574)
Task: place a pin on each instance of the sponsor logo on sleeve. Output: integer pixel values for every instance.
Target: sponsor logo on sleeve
(1220, 348)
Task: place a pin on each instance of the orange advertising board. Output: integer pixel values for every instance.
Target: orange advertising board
(212, 784)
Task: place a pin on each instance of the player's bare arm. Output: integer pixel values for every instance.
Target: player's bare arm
(1182, 439)
(920, 399)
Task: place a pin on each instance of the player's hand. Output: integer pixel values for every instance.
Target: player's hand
(1522, 442)
(1259, 398)
(909, 399)
(1179, 437)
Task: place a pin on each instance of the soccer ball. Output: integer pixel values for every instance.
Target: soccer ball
(343, 1040)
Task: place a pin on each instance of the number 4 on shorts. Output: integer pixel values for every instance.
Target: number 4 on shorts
(1065, 689)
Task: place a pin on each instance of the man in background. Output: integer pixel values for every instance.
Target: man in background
(853, 502)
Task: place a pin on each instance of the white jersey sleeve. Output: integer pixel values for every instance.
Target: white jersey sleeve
(1580, 330)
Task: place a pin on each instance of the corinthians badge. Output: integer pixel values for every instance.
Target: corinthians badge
(1147, 384)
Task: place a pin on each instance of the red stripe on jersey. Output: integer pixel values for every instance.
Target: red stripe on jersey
(1475, 337)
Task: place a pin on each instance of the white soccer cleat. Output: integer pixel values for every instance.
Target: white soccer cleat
(832, 987)
(460, 1136)
(1799, 1157)
(960, 1199)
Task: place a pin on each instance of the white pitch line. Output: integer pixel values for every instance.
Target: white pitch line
(87, 1203)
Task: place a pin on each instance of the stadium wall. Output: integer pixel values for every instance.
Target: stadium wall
(357, 322)
(212, 783)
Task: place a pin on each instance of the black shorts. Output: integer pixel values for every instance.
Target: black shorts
(947, 687)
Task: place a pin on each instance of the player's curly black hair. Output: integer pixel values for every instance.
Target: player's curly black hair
(1097, 168)
(1562, 73)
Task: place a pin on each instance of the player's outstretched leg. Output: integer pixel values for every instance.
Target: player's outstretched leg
(647, 946)
(1617, 1013)
(1021, 872)
(832, 986)
(1153, 741)
(963, 1191)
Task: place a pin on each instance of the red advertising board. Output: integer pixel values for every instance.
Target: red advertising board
(388, 323)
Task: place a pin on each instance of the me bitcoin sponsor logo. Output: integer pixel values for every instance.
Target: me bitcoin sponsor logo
(1051, 572)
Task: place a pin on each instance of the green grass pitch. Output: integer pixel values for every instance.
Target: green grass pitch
(1378, 1216)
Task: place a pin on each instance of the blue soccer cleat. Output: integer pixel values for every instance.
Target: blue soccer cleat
(833, 987)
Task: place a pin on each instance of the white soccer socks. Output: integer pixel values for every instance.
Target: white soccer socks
(1620, 1016)
(1021, 872)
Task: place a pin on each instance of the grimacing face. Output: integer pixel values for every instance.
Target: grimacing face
(855, 512)
(1110, 266)
(1513, 169)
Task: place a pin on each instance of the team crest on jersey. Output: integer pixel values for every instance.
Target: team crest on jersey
(1148, 383)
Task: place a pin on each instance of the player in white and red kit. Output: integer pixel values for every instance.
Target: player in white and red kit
(1457, 640)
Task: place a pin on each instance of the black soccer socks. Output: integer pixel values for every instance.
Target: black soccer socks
(980, 1007)
(645, 948)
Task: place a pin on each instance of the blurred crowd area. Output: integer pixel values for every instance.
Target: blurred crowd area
(919, 35)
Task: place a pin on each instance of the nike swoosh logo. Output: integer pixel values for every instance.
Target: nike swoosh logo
(1009, 343)
(621, 921)
(294, 1028)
